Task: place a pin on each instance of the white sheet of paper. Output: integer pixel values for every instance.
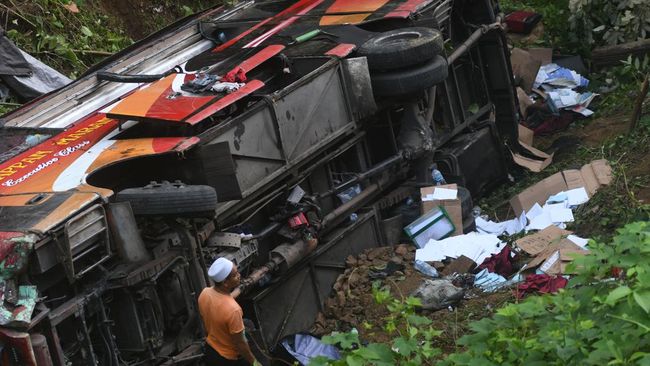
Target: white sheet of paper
(445, 194)
(540, 222)
(428, 197)
(561, 215)
(535, 211)
(473, 245)
(581, 242)
(577, 196)
(568, 100)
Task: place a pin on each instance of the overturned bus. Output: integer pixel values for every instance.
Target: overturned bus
(279, 134)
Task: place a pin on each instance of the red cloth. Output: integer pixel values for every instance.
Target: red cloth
(540, 283)
(554, 124)
(235, 75)
(500, 263)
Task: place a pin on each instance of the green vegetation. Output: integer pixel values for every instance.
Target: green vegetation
(612, 206)
(555, 16)
(65, 35)
(412, 344)
(600, 319)
(70, 36)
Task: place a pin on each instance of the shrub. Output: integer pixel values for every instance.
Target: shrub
(609, 22)
(602, 318)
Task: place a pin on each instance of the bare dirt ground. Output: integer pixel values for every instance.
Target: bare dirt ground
(352, 304)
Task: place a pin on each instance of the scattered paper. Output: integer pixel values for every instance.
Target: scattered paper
(510, 227)
(581, 242)
(540, 222)
(577, 196)
(535, 211)
(474, 246)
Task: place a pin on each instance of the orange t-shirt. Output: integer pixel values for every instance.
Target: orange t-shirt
(222, 317)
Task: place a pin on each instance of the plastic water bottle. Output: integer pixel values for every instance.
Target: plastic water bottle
(437, 177)
(426, 269)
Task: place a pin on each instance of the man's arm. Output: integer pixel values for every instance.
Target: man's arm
(241, 344)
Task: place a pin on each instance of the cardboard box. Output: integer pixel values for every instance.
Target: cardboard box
(453, 207)
(592, 176)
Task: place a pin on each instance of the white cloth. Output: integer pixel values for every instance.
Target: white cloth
(220, 269)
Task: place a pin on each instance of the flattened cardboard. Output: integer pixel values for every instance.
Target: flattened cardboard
(534, 165)
(524, 67)
(537, 243)
(592, 176)
(543, 55)
(524, 103)
(526, 135)
(603, 171)
(452, 207)
(574, 179)
(538, 193)
(567, 249)
(589, 177)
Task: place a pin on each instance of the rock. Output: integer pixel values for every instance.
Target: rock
(397, 260)
(374, 253)
(354, 279)
(402, 249)
(348, 318)
(351, 261)
(340, 298)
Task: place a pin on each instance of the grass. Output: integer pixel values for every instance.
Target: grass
(612, 206)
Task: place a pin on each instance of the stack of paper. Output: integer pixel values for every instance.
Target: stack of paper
(474, 246)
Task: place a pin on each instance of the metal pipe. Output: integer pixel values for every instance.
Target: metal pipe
(377, 169)
(283, 256)
(355, 201)
(472, 39)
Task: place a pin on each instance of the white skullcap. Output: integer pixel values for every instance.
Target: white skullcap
(220, 269)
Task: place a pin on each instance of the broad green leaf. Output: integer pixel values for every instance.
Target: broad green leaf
(617, 294)
(353, 360)
(642, 298)
(86, 31)
(405, 346)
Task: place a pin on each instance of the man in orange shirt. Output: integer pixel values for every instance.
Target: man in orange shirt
(222, 318)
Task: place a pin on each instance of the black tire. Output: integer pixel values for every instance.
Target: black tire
(401, 48)
(167, 199)
(409, 81)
